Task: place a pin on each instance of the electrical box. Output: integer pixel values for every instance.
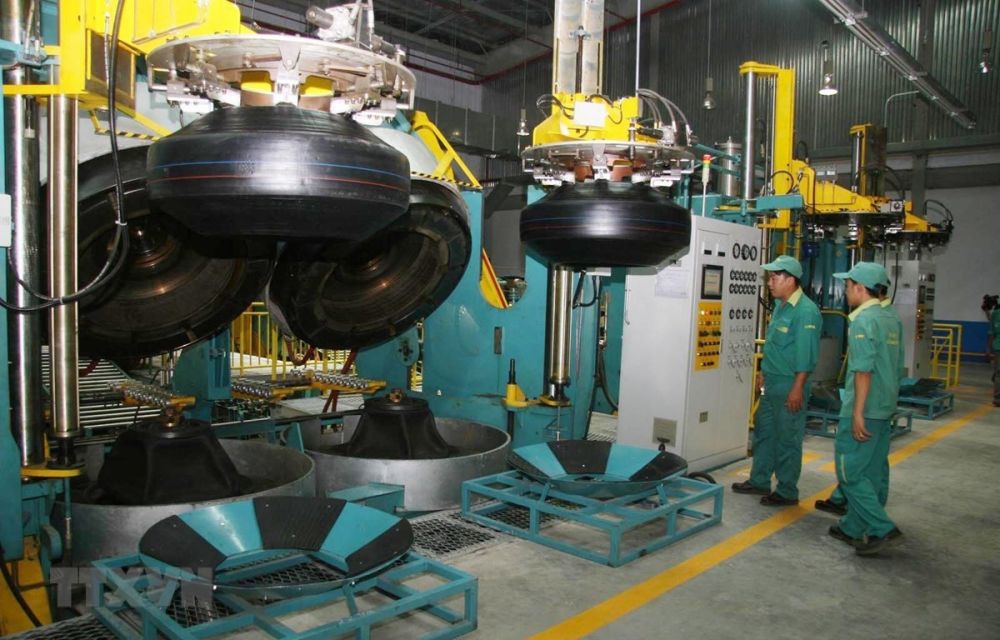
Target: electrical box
(688, 347)
(913, 296)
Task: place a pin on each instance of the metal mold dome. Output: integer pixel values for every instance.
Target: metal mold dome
(606, 224)
(280, 172)
(348, 296)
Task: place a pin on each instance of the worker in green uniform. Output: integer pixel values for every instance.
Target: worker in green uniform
(994, 351)
(791, 348)
(870, 395)
(837, 503)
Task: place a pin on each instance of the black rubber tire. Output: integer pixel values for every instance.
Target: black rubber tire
(280, 172)
(183, 289)
(701, 475)
(606, 224)
(350, 296)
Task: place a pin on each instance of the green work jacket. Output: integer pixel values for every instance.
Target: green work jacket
(873, 346)
(792, 341)
(894, 315)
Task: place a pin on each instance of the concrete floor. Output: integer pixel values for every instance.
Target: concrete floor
(943, 581)
(773, 573)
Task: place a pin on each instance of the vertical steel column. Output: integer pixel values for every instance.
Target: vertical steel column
(560, 313)
(21, 167)
(749, 148)
(921, 120)
(62, 272)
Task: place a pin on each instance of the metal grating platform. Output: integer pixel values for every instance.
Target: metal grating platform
(304, 573)
(446, 535)
(200, 612)
(83, 628)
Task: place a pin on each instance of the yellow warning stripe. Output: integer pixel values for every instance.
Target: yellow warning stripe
(603, 614)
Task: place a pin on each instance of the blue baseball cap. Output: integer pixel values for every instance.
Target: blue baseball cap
(870, 274)
(784, 263)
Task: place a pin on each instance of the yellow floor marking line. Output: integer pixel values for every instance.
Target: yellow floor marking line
(809, 456)
(604, 613)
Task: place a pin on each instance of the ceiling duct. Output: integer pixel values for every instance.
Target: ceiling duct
(856, 19)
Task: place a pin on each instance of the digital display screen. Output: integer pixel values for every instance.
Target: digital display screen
(711, 282)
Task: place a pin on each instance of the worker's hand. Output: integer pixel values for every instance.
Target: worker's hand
(760, 380)
(858, 429)
(794, 400)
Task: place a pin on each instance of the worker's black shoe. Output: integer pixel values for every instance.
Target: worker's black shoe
(830, 506)
(746, 487)
(873, 545)
(836, 532)
(774, 500)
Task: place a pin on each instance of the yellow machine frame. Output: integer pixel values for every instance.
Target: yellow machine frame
(821, 197)
(85, 25)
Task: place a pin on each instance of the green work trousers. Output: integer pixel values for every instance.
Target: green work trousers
(777, 438)
(860, 471)
(838, 497)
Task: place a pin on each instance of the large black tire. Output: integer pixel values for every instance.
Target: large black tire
(606, 224)
(336, 295)
(176, 287)
(281, 172)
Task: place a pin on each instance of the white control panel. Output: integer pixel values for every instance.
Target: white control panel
(688, 347)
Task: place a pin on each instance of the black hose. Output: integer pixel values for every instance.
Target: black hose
(12, 585)
(602, 379)
(118, 254)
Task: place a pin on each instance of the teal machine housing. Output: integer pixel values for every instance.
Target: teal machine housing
(468, 345)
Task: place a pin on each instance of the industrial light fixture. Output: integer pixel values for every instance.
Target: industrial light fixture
(708, 103)
(828, 88)
(522, 126)
(857, 20)
(985, 64)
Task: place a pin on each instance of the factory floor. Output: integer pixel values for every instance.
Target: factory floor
(767, 572)
(772, 573)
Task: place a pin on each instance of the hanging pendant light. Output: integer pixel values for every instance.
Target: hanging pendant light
(708, 102)
(828, 88)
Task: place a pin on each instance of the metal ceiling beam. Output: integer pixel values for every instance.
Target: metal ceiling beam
(436, 23)
(405, 38)
(871, 33)
(474, 7)
(512, 54)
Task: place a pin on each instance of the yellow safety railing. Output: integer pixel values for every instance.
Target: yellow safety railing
(946, 353)
(257, 347)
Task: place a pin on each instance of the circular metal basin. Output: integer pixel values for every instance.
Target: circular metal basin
(431, 485)
(107, 530)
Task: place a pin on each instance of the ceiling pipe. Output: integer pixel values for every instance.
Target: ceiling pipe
(857, 21)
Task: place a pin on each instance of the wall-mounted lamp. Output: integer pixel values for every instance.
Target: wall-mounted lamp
(828, 88)
(985, 62)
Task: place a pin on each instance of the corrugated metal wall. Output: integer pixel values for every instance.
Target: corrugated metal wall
(788, 33)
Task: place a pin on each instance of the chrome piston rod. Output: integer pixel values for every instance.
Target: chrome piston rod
(749, 148)
(62, 205)
(24, 331)
(560, 314)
